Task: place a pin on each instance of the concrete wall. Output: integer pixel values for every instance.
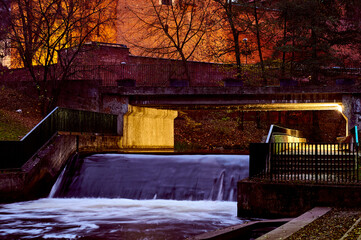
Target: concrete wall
(268, 200)
(148, 128)
(93, 143)
(115, 104)
(37, 175)
(352, 109)
(80, 94)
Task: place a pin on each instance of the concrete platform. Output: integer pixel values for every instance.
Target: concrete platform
(285, 227)
(241, 231)
(296, 224)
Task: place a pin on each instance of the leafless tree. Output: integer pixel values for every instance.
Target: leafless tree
(40, 29)
(4, 29)
(172, 29)
(262, 27)
(246, 27)
(234, 25)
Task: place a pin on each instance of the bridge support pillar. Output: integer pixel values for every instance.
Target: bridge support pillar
(352, 109)
(148, 128)
(116, 105)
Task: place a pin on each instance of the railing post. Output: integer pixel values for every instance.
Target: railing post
(271, 145)
(77, 143)
(357, 164)
(316, 163)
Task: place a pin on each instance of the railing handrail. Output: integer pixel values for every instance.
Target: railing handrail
(37, 125)
(13, 154)
(278, 129)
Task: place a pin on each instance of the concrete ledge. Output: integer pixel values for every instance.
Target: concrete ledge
(274, 200)
(242, 231)
(296, 224)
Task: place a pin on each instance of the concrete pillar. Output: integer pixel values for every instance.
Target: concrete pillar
(116, 105)
(148, 128)
(352, 109)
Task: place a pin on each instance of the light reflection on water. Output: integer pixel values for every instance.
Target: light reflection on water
(105, 218)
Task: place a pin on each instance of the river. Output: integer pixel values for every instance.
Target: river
(132, 196)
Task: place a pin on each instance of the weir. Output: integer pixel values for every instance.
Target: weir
(132, 196)
(135, 176)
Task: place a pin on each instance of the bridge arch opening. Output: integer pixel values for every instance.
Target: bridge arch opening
(233, 127)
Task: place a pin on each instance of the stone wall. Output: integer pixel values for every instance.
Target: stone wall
(80, 95)
(352, 110)
(269, 200)
(110, 63)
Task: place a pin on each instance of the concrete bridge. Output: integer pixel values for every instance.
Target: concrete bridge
(146, 114)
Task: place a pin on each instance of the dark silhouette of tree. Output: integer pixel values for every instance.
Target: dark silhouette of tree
(313, 30)
(40, 29)
(248, 27)
(234, 25)
(173, 30)
(260, 21)
(4, 29)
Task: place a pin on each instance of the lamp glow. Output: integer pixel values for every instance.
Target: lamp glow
(339, 108)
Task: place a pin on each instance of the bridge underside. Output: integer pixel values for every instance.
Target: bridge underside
(258, 99)
(255, 99)
(337, 106)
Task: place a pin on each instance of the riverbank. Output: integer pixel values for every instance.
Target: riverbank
(338, 223)
(317, 224)
(18, 114)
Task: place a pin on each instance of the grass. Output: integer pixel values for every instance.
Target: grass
(14, 125)
(10, 129)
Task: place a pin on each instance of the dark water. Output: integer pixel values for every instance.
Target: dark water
(115, 196)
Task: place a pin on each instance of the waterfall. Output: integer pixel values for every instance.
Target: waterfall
(137, 176)
(132, 196)
(56, 185)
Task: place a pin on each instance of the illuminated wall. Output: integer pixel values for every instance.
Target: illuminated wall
(148, 128)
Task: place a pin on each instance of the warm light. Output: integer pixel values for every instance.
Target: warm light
(339, 108)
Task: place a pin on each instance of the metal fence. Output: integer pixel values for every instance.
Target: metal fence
(13, 154)
(307, 162)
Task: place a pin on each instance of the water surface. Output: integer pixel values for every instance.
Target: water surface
(121, 196)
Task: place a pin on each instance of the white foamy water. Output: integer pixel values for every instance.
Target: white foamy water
(132, 196)
(104, 218)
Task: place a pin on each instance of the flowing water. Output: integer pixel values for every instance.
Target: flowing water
(132, 196)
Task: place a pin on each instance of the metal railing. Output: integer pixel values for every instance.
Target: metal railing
(310, 162)
(13, 154)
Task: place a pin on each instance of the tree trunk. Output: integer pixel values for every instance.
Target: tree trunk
(185, 66)
(314, 66)
(237, 53)
(259, 43)
(283, 67)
